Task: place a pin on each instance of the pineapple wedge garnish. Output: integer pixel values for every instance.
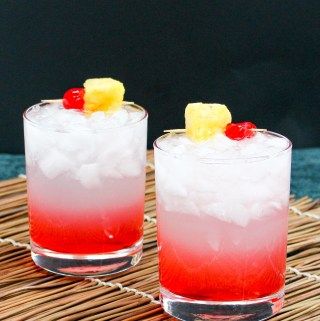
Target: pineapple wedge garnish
(103, 94)
(203, 121)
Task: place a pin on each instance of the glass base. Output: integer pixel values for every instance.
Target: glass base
(250, 310)
(87, 265)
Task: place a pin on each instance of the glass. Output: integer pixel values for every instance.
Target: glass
(85, 195)
(222, 233)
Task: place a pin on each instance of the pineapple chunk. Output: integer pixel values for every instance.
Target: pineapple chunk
(102, 94)
(203, 121)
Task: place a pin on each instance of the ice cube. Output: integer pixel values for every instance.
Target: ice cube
(259, 210)
(97, 117)
(117, 161)
(217, 210)
(120, 118)
(175, 188)
(220, 143)
(206, 184)
(179, 204)
(98, 120)
(239, 215)
(229, 212)
(36, 143)
(84, 147)
(130, 167)
(54, 163)
(109, 170)
(256, 210)
(89, 175)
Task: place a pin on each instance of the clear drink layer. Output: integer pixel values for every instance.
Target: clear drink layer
(222, 219)
(85, 183)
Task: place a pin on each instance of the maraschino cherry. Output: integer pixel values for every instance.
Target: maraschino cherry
(73, 98)
(238, 131)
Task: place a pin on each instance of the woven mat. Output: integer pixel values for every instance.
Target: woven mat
(29, 293)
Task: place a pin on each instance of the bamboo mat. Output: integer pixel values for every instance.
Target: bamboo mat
(29, 293)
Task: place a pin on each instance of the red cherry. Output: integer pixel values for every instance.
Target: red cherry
(73, 98)
(238, 131)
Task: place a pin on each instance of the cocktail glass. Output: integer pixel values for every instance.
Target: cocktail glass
(85, 194)
(222, 233)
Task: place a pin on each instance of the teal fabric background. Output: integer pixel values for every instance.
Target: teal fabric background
(305, 170)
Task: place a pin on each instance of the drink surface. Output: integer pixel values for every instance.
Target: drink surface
(222, 215)
(85, 178)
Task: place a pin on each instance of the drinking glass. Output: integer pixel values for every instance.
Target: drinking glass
(222, 232)
(85, 194)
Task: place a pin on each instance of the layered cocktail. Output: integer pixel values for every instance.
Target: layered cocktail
(222, 205)
(86, 176)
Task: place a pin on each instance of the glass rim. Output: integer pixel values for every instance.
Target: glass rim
(228, 160)
(84, 130)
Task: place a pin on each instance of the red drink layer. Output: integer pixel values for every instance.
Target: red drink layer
(204, 258)
(69, 218)
(89, 232)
